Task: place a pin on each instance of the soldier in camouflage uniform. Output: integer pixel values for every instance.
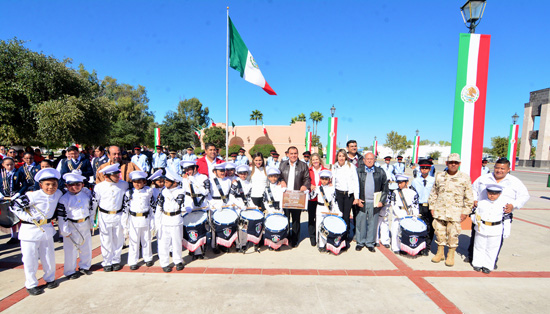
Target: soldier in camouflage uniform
(451, 201)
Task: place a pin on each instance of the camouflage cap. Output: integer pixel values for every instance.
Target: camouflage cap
(454, 157)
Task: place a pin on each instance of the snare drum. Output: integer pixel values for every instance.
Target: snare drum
(251, 222)
(413, 235)
(194, 229)
(225, 226)
(276, 230)
(333, 229)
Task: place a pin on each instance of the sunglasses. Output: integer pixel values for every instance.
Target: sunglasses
(74, 184)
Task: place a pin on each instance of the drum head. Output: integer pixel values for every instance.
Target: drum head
(335, 224)
(194, 218)
(225, 216)
(413, 224)
(7, 218)
(276, 222)
(252, 214)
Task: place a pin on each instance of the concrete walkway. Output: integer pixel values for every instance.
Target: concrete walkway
(303, 280)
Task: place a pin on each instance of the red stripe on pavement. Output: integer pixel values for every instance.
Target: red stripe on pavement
(534, 223)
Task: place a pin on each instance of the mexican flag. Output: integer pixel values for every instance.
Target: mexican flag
(415, 149)
(157, 138)
(375, 148)
(241, 60)
(332, 134)
(513, 145)
(233, 127)
(308, 141)
(263, 127)
(470, 96)
(197, 132)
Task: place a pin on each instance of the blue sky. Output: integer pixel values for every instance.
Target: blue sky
(385, 65)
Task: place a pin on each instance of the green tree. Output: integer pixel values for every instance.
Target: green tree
(315, 117)
(426, 142)
(499, 146)
(262, 148)
(397, 143)
(316, 142)
(444, 143)
(300, 117)
(216, 136)
(435, 154)
(177, 129)
(256, 115)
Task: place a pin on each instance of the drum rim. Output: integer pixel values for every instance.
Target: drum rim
(225, 223)
(252, 209)
(273, 230)
(205, 215)
(412, 218)
(340, 219)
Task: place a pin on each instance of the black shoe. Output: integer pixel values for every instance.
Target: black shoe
(167, 269)
(496, 267)
(117, 267)
(108, 268)
(180, 266)
(294, 244)
(322, 250)
(485, 270)
(425, 252)
(52, 284)
(345, 248)
(74, 276)
(358, 247)
(270, 248)
(377, 245)
(371, 249)
(149, 263)
(216, 250)
(195, 257)
(396, 252)
(477, 268)
(35, 291)
(134, 267)
(13, 241)
(85, 272)
(313, 241)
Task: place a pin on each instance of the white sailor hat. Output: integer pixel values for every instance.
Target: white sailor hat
(187, 163)
(220, 166)
(401, 178)
(493, 187)
(172, 176)
(156, 175)
(325, 174)
(229, 166)
(45, 174)
(273, 171)
(137, 175)
(110, 169)
(74, 176)
(242, 168)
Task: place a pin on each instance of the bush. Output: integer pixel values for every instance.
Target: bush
(262, 148)
(435, 155)
(198, 151)
(234, 149)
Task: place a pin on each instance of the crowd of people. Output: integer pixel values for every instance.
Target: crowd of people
(207, 203)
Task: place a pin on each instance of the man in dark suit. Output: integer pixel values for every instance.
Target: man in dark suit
(371, 181)
(26, 173)
(295, 175)
(75, 161)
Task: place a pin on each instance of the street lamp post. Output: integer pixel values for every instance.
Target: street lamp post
(513, 142)
(515, 118)
(416, 132)
(472, 12)
(332, 111)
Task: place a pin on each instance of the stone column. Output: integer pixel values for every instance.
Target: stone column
(543, 143)
(525, 147)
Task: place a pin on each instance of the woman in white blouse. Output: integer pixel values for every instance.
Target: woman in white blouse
(346, 183)
(316, 167)
(258, 180)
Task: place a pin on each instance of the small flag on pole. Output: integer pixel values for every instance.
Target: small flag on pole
(415, 148)
(263, 126)
(213, 124)
(332, 134)
(513, 145)
(241, 60)
(308, 141)
(375, 148)
(157, 138)
(233, 126)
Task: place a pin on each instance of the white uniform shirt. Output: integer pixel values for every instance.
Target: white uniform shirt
(141, 161)
(513, 189)
(168, 202)
(238, 194)
(138, 201)
(214, 196)
(109, 196)
(75, 207)
(490, 211)
(188, 157)
(201, 188)
(388, 169)
(277, 193)
(38, 201)
(174, 165)
(159, 160)
(411, 198)
(345, 179)
(291, 175)
(423, 190)
(330, 196)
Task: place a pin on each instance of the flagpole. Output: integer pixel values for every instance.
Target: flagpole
(227, 88)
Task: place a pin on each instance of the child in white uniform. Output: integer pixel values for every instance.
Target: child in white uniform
(74, 212)
(273, 197)
(218, 198)
(137, 219)
(241, 189)
(402, 208)
(326, 205)
(487, 219)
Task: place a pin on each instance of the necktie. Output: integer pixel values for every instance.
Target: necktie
(425, 181)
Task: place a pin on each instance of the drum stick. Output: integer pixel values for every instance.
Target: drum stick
(329, 213)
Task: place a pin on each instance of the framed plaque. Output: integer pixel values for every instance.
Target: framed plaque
(294, 200)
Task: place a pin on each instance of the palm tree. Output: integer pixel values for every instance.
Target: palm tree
(315, 117)
(256, 115)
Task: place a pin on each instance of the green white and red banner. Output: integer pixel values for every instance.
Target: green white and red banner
(415, 149)
(513, 145)
(470, 97)
(332, 134)
(242, 60)
(308, 141)
(157, 138)
(375, 148)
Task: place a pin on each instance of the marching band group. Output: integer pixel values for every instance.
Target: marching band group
(192, 202)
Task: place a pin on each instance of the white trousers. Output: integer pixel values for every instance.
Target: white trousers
(71, 251)
(383, 233)
(170, 236)
(112, 240)
(139, 235)
(32, 251)
(395, 240)
(486, 250)
(321, 241)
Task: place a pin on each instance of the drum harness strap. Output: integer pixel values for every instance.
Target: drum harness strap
(404, 202)
(71, 167)
(223, 197)
(241, 193)
(193, 195)
(29, 178)
(272, 199)
(327, 204)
